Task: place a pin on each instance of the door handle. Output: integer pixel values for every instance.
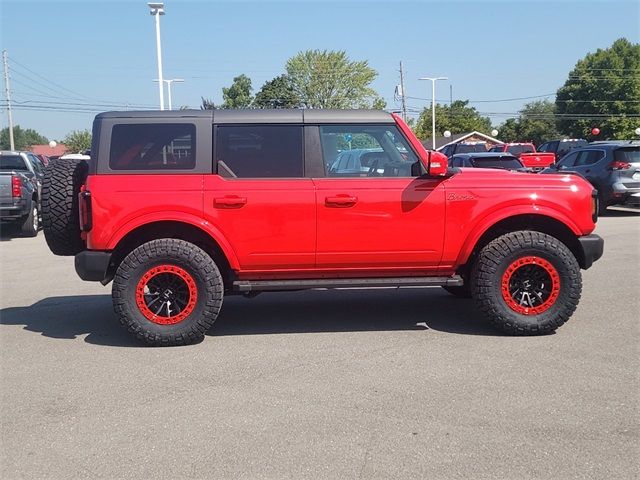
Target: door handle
(230, 201)
(342, 200)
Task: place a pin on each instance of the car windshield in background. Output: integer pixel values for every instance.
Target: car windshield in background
(471, 148)
(569, 144)
(12, 162)
(497, 162)
(518, 149)
(628, 155)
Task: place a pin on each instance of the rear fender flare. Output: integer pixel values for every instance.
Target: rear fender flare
(179, 217)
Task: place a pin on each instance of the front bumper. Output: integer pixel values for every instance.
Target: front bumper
(592, 248)
(92, 266)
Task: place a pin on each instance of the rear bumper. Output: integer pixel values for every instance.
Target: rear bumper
(92, 266)
(592, 248)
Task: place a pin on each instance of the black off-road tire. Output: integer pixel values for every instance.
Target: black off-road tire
(60, 221)
(463, 291)
(31, 223)
(491, 273)
(195, 265)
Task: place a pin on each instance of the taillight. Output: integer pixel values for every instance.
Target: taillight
(84, 199)
(16, 186)
(620, 165)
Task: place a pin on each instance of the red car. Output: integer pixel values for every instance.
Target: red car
(180, 209)
(527, 154)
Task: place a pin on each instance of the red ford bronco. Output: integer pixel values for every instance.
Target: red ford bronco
(180, 208)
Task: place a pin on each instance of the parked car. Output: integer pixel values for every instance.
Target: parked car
(257, 210)
(527, 154)
(613, 168)
(504, 161)
(21, 175)
(463, 147)
(562, 147)
(359, 162)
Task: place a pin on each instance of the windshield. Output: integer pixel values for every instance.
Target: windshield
(12, 162)
(518, 149)
(497, 162)
(470, 148)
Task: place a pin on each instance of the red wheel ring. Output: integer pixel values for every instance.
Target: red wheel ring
(530, 285)
(166, 294)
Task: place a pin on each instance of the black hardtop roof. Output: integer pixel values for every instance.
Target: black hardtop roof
(310, 116)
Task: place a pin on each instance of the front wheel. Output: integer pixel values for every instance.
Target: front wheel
(167, 292)
(526, 283)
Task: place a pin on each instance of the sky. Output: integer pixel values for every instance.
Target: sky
(69, 60)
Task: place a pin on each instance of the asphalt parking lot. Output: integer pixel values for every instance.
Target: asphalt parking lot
(321, 384)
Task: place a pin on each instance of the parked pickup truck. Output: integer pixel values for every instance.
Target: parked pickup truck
(527, 154)
(21, 176)
(178, 220)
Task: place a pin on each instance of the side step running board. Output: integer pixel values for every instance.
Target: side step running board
(278, 285)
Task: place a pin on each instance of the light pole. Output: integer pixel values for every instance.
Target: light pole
(157, 9)
(433, 106)
(169, 82)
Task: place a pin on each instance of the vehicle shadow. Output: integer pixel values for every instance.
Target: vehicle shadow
(313, 311)
(7, 232)
(354, 310)
(621, 212)
(67, 318)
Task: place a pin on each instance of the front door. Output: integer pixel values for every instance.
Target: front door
(376, 214)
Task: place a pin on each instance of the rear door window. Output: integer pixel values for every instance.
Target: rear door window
(153, 147)
(260, 151)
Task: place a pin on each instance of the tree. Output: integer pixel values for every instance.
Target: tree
(603, 90)
(22, 139)
(238, 95)
(328, 79)
(77, 141)
(277, 93)
(536, 123)
(458, 117)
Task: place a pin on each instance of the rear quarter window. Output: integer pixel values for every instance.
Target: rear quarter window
(153, 147)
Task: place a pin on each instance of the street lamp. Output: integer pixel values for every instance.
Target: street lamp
(433, 105)
(157, 9)
(169, 82)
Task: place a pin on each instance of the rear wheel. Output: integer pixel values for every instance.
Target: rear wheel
(31, 223)
(526, 283)
(167, 292)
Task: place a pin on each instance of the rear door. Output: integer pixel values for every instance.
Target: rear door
(384, 218)
(259, 198)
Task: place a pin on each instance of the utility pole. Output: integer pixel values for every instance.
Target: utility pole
(404, 103)
(8, 94)
(157, 9)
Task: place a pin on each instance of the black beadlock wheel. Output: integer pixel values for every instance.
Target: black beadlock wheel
(526, 283)
(167, 292)
(60, 220)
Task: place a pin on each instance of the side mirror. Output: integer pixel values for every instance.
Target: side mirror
(435, 163)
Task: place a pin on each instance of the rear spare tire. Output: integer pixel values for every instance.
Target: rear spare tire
(60, 216)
